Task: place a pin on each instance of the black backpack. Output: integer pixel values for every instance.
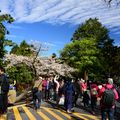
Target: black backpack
(108, 98)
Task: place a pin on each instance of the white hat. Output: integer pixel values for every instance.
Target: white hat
(110, 80)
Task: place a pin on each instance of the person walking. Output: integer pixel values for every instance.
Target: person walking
(86, 99)
(48, 89)
(108, 96)
(93, 95)
(77, 91)
(37, 89)
(57, 85)
(83, 85)
(4, 88)
(44, 86)
(69, 91)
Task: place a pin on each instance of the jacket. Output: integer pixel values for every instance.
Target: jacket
(101, 91)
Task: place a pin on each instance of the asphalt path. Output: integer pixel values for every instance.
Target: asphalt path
(48, 111)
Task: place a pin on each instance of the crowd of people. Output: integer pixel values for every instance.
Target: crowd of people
(67, 91)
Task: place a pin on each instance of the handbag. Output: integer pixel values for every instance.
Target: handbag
(62, 100)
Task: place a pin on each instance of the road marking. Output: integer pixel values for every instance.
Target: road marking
(53, 114)
(9, 108)
(29, 114)
(91, 116)
(65, 114)
(16, 113)
(78, 115)
(43, 116)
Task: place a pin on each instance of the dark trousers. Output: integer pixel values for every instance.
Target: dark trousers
(47, 94)
(69, 100)
(51, 94)
(107, 112)
(86, 103)
(75, 98)
(93, 102)
(37, 100)
(56, 97)
(43, 94)
(3, 103)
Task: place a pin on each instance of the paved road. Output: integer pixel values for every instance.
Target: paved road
(47, 112)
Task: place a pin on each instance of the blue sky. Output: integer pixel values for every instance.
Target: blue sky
(54, 36)
(53, 22)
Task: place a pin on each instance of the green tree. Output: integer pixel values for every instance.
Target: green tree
(91, 49)
(23, 49)
(21, 73)
(14, 49)
(3, 31)
(116, 62)
(107, 55)
(81, 55)
(92, 28)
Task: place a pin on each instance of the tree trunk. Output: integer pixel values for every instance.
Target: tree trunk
(85, 75)
(21, 96)
(13, 98)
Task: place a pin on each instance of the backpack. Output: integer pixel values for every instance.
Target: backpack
(108, 98)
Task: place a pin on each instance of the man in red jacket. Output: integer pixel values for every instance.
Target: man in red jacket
(107, 110)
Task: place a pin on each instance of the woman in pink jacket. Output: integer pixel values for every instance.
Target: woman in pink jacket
(105, 109)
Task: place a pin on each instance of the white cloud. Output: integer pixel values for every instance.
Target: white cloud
(13, 26)
(61, 11)
(4, 6)
(11, 36)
